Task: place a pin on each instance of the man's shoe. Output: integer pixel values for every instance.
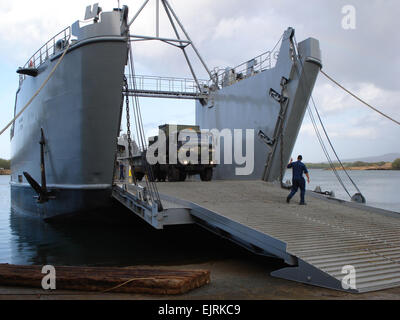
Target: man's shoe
(287, 200)
(302, 203)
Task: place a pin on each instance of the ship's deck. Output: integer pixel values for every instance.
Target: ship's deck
(317, 240)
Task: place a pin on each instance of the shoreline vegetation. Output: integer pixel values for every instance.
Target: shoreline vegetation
(358, 165)
(5, 167)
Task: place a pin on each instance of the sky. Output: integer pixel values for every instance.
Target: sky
(365, 59)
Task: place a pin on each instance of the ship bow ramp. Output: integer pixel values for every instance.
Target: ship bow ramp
(328, 243)
(343, 246)
(271, 101)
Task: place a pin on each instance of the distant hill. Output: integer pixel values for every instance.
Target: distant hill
(390, 157)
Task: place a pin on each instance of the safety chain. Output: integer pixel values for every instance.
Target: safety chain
(128, 130)
(116, 149)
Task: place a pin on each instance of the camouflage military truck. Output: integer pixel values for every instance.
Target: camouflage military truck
(175, 170)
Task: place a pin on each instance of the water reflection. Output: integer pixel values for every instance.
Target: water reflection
(119, 238)
(123, 240)
(116, 238)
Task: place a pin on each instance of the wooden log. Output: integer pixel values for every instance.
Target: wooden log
(108, 279)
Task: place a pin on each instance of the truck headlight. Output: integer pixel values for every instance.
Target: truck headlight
(185, 162)
(211, 162)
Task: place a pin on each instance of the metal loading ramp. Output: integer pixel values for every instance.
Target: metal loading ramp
(316, 240)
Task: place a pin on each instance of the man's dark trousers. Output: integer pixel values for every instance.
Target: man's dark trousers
(298, 183)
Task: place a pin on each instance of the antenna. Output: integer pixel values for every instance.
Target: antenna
(157, 18)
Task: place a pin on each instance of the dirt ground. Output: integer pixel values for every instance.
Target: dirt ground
(246, 278)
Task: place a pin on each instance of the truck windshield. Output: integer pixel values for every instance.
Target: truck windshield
(197, 138)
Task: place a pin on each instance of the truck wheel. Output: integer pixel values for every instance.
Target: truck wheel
(139, 176)
(163, 176)
(182, 175)
(173, 174)
(155, 173)
(206, 174)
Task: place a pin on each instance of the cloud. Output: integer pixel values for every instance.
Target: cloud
(332, 100)
(339, 130)
(348, 122)
(26, 25)
(349, 133)
(229, 32)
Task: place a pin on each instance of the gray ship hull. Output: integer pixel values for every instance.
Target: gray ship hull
(247, 104)
(68, 202)
(79, 112)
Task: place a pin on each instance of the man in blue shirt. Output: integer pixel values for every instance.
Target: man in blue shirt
(298, 180)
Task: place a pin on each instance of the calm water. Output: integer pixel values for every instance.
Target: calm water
(126, 240)
(120, 241)
(378, 187)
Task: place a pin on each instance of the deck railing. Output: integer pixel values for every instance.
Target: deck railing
(47, 50)
(228, 76)
(156, 84)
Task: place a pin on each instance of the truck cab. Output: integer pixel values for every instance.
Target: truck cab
(197, 144)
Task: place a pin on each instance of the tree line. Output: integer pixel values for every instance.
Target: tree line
(5, 164)
(395, 164)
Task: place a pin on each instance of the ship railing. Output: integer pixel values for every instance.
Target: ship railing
(58, 42)
(229, 76)
(167, 85)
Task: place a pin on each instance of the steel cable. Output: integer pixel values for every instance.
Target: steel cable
(149, 177)
(358, 98)
(326, 135)
(38, 91)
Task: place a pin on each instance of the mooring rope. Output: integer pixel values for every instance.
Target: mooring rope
(325, 132)
(37, 92)
(358, 98)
